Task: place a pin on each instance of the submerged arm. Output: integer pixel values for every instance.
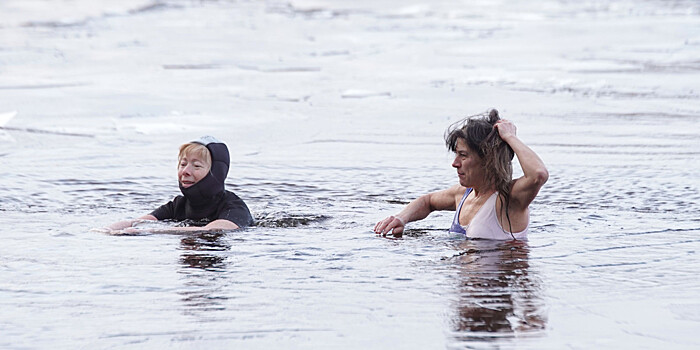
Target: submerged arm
(129, 223)
(216, 225)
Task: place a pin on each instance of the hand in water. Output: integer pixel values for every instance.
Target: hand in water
(392, 224)
(109, 231)
(105, 230)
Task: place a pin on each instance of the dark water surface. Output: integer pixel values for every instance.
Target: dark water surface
(334, 113)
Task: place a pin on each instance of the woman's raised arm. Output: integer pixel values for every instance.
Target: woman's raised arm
(535, 174)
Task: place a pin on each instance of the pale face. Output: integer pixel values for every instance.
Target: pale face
(468, 164)
(191, 169)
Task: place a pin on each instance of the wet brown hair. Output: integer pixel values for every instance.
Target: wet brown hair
(496, 155)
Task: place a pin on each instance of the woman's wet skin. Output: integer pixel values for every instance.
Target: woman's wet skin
(191, 169)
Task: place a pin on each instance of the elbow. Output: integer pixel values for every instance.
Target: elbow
(541, 176)
(148, 217)
(222, 224)
(427, 205)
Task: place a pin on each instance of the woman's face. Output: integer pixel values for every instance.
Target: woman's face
(470, 167)
(191, 169)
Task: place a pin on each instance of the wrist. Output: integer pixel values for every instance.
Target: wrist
(508, 137)
(402, 220)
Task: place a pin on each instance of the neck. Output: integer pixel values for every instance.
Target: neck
(483, 190)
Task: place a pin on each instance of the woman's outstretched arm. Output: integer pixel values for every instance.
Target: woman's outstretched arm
(129, 223)
(419, 209)
(216, 225)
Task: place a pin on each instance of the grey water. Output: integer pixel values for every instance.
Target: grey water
(334, 113)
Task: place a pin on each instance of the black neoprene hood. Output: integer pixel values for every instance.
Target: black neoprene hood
(213, 183)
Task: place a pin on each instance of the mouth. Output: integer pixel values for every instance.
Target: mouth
(186, 183)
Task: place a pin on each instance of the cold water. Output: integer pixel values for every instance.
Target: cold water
(334, 113)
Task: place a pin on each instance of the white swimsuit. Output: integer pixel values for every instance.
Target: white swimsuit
(485, 223)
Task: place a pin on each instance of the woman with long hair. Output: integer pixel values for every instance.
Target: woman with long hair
(488, 202)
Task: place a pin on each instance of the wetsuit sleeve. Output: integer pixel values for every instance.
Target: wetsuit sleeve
(236, 211)
(165, 211)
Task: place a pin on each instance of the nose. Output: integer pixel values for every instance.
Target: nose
(455, 162)
(186, 170)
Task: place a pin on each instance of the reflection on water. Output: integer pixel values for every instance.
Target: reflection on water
(283, 219)
(202, 269)
(197, 247)
(498, 295)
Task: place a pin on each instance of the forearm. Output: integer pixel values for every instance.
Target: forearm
(216, 225)
(221, 224)
(129, 223)
(176, 229)
(418, 209)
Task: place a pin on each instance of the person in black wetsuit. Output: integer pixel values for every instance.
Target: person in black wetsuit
(202, 169)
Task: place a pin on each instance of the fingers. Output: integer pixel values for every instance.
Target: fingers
(502, 122)
(505, 122)
(397, 231)
(505, 127)
(100, 230)
(124, 232)
(380, 226)
(391, 224)
(107, 231)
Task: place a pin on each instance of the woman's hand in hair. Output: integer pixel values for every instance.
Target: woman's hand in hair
(535, 173)
(506, 129)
